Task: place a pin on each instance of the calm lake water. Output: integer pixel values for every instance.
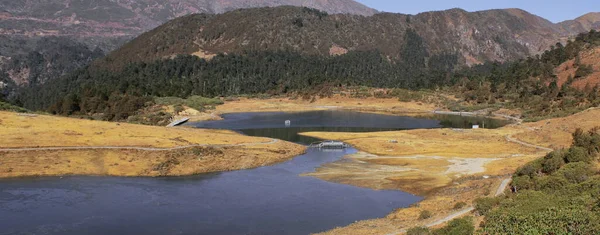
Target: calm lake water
(267, 200)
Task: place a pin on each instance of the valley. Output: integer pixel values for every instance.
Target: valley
(452, 122)
(422, 162)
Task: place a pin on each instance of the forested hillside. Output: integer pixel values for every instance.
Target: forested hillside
(66, 33)
(473, 37)
(25, 61)
(529, 83)
(532, 84)
(455, 36)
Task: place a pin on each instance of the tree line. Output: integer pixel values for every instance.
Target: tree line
(528, 83)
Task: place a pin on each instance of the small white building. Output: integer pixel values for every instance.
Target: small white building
(475, 126)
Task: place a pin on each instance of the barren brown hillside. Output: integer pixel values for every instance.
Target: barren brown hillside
(588, 57)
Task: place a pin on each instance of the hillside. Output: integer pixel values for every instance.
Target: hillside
(113, 19)
(86, 28)
(101, 26)
(68, 146)
(494, 35)
(583, 23)
(573, 72)
(118, 91)
(129, 18)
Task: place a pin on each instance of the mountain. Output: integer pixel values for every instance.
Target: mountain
(101, 26)
(101, 19)
(85, 28)
(536, 84)
(493, 35)
(584, 23)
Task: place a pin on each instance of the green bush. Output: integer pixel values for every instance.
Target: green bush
(522, 182)
(576, 172)
(550, 220)
(486, 204)
(178, 109)
(561, 199)
(459, 205)
(462, 226)
(418, 231)
(583, 71)
(195, 102)
(425, 215)
(553, 161)
(551, 183)
(531, 169)
(577, 154)
(9, 107)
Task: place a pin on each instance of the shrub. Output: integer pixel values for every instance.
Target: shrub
(418, 231)
(195, 102)
(425, 215)
(576, 172)
(553, 161)
(459, 205)
(577, 154)
(380, 94)
(583, 71)
(178, 109)
(531, 169)
(8, 107)
(486, 204)
(522, 182)
(549, 220)
(551, 183)
(462, 226)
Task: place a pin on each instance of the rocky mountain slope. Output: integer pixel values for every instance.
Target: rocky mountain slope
(475, 37)
(584, 23)
(100, 19)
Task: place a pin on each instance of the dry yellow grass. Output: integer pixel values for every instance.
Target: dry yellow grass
(51, 131)
(481, 143)
(424, 160)
(45, 131)
(337, 101)
(556, 133)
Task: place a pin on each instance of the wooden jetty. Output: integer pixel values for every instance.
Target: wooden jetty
(330, 144)
(178, 122)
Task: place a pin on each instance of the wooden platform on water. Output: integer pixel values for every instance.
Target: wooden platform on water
(330, 144)
(178, 122)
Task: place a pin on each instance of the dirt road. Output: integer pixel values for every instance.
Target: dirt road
(462, 212)
(131, 147)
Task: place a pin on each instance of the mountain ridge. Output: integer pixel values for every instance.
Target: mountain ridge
(491, 35)
(519, 33)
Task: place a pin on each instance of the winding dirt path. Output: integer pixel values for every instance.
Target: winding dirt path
(511, 139)
(462, 212)
(132, 147)
(503, 186)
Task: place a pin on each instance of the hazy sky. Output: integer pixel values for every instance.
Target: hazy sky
(553, 10)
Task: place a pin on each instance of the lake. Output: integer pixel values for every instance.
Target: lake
(266, 200)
